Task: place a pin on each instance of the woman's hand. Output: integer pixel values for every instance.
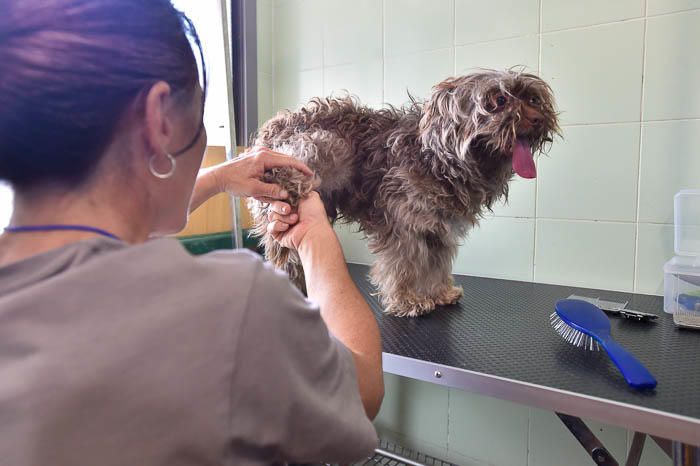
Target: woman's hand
(294, 229)
(242, 176)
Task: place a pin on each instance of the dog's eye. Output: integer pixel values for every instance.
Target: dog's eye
(534, 100)
(501, 100)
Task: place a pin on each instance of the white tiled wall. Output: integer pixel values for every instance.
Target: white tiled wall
(671, 51)
(626, 75)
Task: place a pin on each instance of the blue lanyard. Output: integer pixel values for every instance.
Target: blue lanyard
(39, 228)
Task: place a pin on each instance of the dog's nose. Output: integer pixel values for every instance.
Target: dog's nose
(531, 123)
(532, 116)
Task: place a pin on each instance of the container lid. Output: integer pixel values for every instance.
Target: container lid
(686, 216)
(684, 265)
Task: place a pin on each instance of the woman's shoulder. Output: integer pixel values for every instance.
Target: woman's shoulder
(223, 271)
(219, 271)
(241, 259)
(231, 257)
(221, 279)
(171, 255)
(165, 263)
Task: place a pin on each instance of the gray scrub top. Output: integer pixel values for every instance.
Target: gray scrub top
(144, 355)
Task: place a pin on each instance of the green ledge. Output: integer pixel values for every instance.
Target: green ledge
(202, 244)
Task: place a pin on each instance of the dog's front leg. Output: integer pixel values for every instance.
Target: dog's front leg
(413, 273)
(415, 242)
(439, 282)
(395, 274)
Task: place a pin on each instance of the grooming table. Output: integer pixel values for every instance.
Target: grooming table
(497, 341)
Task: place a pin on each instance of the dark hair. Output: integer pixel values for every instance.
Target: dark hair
(71, 68)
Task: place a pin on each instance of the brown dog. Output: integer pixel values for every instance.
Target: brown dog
(416, 179)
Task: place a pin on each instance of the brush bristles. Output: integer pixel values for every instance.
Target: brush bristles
(573, 336)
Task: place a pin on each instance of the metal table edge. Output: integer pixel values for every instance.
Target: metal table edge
(660, 423)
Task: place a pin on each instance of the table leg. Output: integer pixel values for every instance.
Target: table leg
(601, 456)
(635, 453)
(685, 455)
(664, 444)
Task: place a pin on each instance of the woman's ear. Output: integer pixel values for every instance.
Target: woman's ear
(158, 126)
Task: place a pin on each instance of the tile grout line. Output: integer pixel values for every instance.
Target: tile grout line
(581, 28)
(383, 33)
(323, 50)
(644, 16)
(670, 13)
(595, 25)
(273, 85)
(529, 438)
(454, 37)
(558, 31)
(635, 264)
(414, 53)
(533, 268)
(583, 220)
(447, 440)
(629, 122)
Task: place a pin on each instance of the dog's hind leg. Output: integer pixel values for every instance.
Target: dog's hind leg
(329, 156)
(298, 186)
(331, 159)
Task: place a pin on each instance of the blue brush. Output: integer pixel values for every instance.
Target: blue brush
(584, 325)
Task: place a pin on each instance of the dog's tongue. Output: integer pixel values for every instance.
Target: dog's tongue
(523, 163)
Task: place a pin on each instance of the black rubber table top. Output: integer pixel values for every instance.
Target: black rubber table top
(501, 328)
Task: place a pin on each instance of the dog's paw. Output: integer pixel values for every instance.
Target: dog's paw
(412, 306)
(449, 296)
(296, 183)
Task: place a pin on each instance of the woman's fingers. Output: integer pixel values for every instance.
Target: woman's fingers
(272, 159)
(260, 189)
(279, 161)
(277, 227)
(288, 219)
(280, 207)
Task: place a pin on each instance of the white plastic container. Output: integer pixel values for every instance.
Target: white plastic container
(682, 284)
(682, 273)
(686, 220)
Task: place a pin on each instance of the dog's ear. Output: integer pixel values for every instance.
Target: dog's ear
(448, 117)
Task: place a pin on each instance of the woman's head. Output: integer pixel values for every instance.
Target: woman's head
(76, 74)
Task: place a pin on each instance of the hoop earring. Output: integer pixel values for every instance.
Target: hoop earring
(159, 175)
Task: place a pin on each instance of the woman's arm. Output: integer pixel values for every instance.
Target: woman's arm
(242, 177)
(346, 313)
(329, 284)
(205, 187)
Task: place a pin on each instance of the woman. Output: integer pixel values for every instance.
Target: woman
(116, 349)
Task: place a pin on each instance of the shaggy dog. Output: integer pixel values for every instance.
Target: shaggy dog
(416, 179)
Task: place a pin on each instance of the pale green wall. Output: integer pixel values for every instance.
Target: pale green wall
(626, 75)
